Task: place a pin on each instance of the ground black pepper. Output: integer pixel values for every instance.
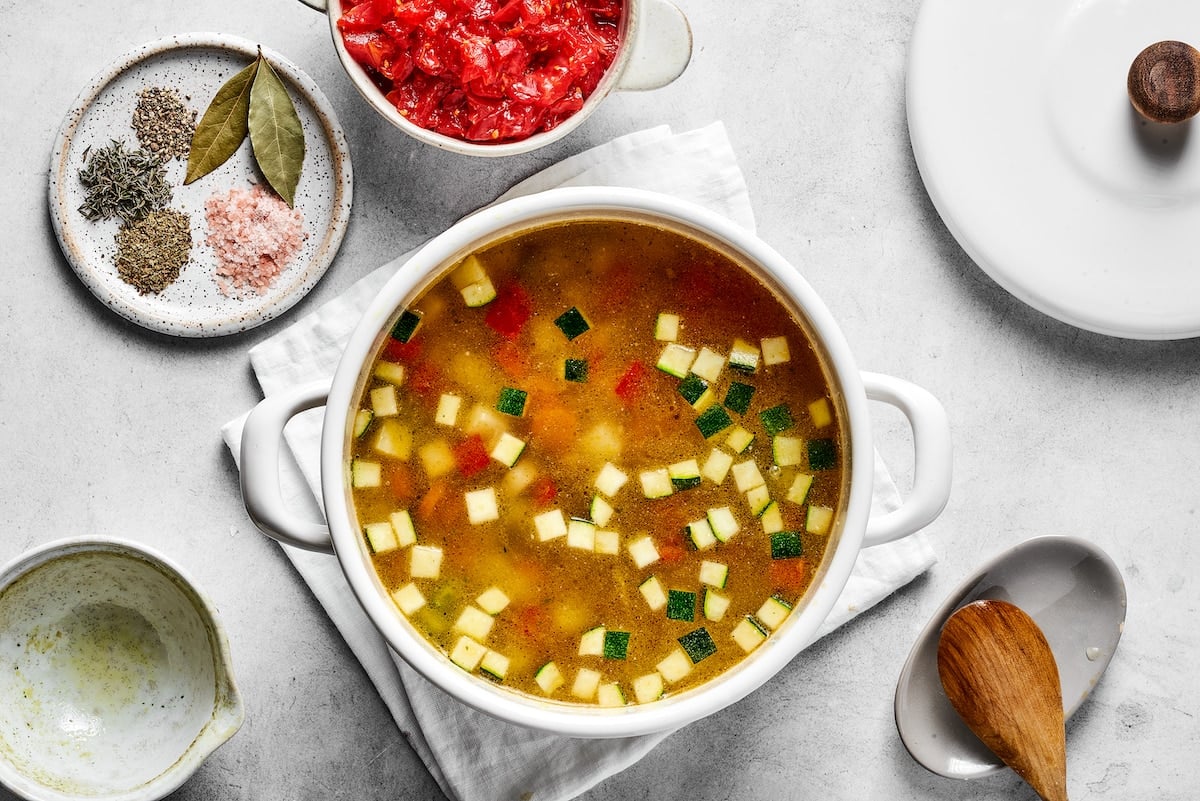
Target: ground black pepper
(164, 125)
(152, 251)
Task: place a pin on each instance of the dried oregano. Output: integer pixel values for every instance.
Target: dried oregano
(152, 251)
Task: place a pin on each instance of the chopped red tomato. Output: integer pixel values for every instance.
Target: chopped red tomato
(425, 380)
(671, 552)
(470, 456)
(789, 576)
(632, 383)
(511, 309)
(544, 491)
(397, 351)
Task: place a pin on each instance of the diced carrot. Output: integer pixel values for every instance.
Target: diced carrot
(554, 428)
(433, 497)
(399, 479)
(513, 359)
(671, 552)
(789, 575)
(471, 456)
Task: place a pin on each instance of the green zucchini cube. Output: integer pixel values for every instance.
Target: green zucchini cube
(511, 401)
(822, 454)
(776, 419)
(572, 323)
(576, 370)
(681, 605)
(698, 645)
(786, 545)
(737, 397)
(406, 326)
(692, 387)
(713, 421)
(616, 644)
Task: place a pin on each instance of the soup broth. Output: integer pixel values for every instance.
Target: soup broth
(597, 462)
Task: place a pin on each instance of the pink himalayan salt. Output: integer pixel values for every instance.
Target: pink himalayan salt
(255, 235)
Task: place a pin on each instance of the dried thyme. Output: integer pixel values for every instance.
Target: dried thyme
(122, 183)
(164, 125)
(152, 250)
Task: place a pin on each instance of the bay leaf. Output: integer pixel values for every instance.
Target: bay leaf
(223, 126)
(276, 134)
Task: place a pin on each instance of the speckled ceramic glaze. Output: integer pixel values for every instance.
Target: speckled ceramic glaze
(115, 674)
(196, 66)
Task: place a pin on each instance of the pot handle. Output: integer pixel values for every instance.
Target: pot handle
(262, 435)
(661, 49)
(932, 458)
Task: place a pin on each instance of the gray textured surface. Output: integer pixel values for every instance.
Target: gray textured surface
(108, 429)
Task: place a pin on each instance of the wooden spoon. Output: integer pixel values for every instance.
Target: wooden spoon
(1000, 676)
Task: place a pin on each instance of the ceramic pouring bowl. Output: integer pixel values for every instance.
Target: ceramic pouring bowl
(656, 46)
(116, 674)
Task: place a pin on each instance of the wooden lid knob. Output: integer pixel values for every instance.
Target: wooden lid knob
(1164, 82)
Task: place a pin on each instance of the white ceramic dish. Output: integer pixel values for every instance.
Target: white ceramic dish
(260, 450)
(196, 65)
(117, 676)
(656, 46)
(1034, 157)
(1074, 593)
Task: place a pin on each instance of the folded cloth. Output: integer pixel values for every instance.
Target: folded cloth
(472, 756)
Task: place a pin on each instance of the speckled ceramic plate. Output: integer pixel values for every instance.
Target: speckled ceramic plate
(195, 66)
(1033, 155)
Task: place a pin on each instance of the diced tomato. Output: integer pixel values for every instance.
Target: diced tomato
(633, 383)
(543, 491)
(508, 313)
(533, 620)
(789, 575)
(397, 351)
(425, 380)
(366, 16)
(671, 552)
(470, 456)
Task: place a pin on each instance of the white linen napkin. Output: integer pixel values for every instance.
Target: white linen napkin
(472, 756)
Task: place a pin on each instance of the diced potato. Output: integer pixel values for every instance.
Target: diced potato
(436, 457)
(426, 561)
(611, 479)
(716, 467)
(467, 653)
(654, 593)
(391, 372)
(648, 688)
(408, 598)
(384, 402)
(550, 525)
(447, 410)
(643, 552)
(493, 600)
(775, 350)
(602, 441)
(608, 543)
(364, 474)
(788, 451)
(819, 519)
(586, 683)
(675, 666)
(474, 622)
(394, 439)
(747, 476)
(708, 365)
(482, 506)
(820, 413)
(519, 477)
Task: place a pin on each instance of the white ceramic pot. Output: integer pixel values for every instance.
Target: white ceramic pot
(656, 46)
(117, 679)
(856, 526)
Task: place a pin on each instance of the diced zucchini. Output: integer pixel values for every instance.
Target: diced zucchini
(773, 612)
(511, 401)
(362, 421)
(495, 665)
(701, 404)
(642, 551)
(775, 350)
(798, 492)
(714, 574)
(474, 623)
(406, 325)
(723, 523)
(610, 695)
(586, 683)
(601, 511)
(447, 410)
(822, 454)
(467, 653)
(383, 401)
(485, 422)
(748, 634)
(482, 506)
(684, 475)
(608, 543)
(747, 476)
(676, 360)
(743, 356)
(675, 666)
(692, 387)
(820, 413)
(394, 439)
(715, 604)
(786, 545)
(575, 370)
(772, 518)
(426, 561)
(652, 590)
(408, 598)
(656, 483)
(592, 642)
(739, 439)
(391, 372)
(759, 499)
(716, 467)
(648, 688)
(436, 457)
(471, 271)
(402, 524)
(708, 365)
(713, 421)
(493, 600)
(611, 479)
(681, 605)
(508, 449)
(698, 645)
(738, 396)
(549, 678)
(616, 644)
(581, 534)
(787, 451)
(701, 534)
(479, 294)
(572, 323)
(666, 327)
(550, 525)
(819, 519)
(364, 474)
(776, 419)
(381, 537)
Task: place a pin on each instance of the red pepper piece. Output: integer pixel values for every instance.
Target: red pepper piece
(406, 352)
(632, 384)
(508, 313)
(470, 456)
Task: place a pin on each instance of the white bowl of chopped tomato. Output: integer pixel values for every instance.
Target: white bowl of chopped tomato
(500, 77)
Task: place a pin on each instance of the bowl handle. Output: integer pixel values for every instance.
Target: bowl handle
(262, 435)
(319, 5)
(932, 458)
(661, 49)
